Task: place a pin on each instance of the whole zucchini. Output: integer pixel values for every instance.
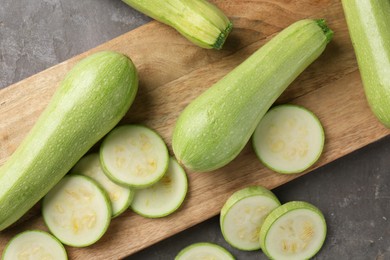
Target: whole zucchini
(214, 128)
(369, 27)
(198, 20)
(91, 100)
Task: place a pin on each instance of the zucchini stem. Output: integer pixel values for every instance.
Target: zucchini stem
(327, 31)
(223, 36)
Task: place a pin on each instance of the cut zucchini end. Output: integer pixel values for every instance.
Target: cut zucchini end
(295, 230)
(223, 36)
(327, 31)
(289, 139)
(134, 156)
(204, 250)
(243, 214)
(77, 211)
(34, 244)
(164, 197)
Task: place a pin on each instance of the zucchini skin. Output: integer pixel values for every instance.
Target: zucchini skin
(199, 21)
(90, 101)
(215, 127)
(369, 27)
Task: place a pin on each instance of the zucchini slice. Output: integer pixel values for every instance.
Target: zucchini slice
(34, 244)
(243, 214)
(120, 197)
(199, 21)
(165, 196)
(134, 156)
(369, 27)
(204, 250)
(77, 211)
(289, 139)
(294, 231)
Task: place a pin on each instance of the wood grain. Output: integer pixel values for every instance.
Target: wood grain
(172, 73)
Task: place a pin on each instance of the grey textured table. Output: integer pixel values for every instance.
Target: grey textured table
(353, 192)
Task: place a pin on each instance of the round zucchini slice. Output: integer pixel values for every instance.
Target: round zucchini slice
(165, 196)
(34, 244)
(77, 211)
(295, 230)
(204, 250)
(289, 139)
(134, 156)
(243, 214)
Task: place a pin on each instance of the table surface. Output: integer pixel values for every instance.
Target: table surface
(353, 192)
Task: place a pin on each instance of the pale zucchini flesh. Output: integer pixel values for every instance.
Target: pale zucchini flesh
(294, 231)
(164, 197)
(243, 214)
(204, 250)
(199, 21)
(289, 139)
(214, 128)
(90, 101)
(120, 196)
(369, 27)
(134, 156)
(77, 211)
(34, 245)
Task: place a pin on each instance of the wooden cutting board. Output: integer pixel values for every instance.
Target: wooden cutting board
(172, 73)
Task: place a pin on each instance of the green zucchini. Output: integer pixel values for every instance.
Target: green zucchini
(214, 128)
(369, 27)
(198, 20)
(91, 100)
